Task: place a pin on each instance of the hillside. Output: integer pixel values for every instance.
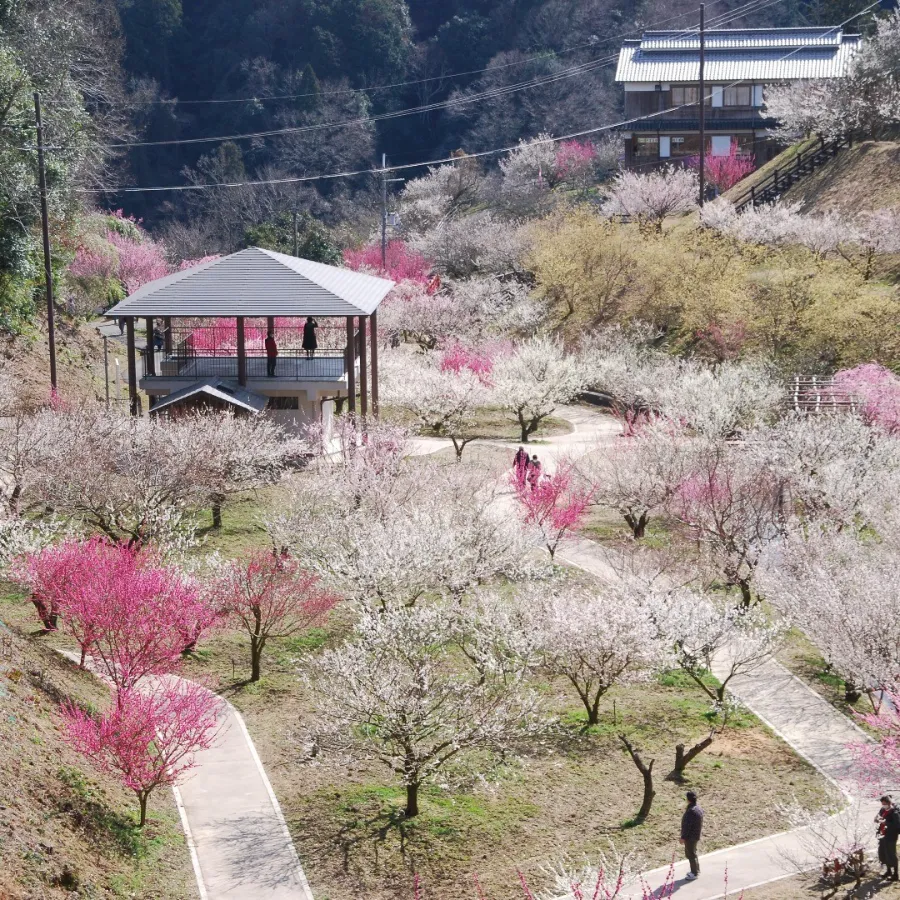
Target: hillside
(860, 178)
(65, 830)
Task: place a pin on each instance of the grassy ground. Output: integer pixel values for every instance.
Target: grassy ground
(570, 794)
(491, 424)
(66, 830)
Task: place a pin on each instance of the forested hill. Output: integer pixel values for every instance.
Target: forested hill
(336, 59)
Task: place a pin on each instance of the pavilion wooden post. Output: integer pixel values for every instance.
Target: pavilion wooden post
(351, 365)
(241, 352)
(167, 334)
(134, 402)
(373, 337)
(363, 369)
(151, 349)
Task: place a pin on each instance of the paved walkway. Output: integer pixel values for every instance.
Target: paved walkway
(240, 844)
(238, 840)
(799, 716)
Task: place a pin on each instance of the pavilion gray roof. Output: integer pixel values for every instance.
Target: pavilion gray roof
(218, 389)
(257, 282)
(749, 54)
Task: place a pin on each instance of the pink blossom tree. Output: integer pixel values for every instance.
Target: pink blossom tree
(725, 171)
(575, 160)
(878, 763)
(271, 597)
(147, 739)
(402, 263)
(555, 505)
(877, 389)
(132, 614)
(139, 261)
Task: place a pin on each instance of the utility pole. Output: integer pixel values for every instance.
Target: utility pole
(106, 366)
(296, 235)
(702, 102)
(384, 212)
(45, 227)
(385, 181)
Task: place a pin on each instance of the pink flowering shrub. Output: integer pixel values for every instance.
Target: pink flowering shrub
(147, 739)
(555, 505)
(401, 262)
(574, 159)
(133, 615)
(458, 358)
(725, 171)
(877, 389)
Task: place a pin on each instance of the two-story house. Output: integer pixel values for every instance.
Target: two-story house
(660, 74)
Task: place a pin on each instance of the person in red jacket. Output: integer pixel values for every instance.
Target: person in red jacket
(271, 354)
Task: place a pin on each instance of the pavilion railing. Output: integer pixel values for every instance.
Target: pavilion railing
(197, 349)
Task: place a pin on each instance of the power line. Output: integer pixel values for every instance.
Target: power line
(444, 77)
(433, 162)
(490, 94)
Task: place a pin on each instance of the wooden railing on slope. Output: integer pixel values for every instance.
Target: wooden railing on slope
(817, 394)
(784, 177)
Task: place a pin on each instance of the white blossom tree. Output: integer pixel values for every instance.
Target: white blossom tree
(480, 243)
(866, 100)
(700, 629)
(536, 378)
(444, 193)
(411, 313)
(435, 531)
(596, 639)
(636, 477)
(400, 692)
(442, 401)
(652, 197)
(839, 588)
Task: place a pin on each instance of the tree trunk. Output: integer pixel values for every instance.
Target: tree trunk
(746, 593)
(647, 774)
(682, 758)
(638, 526)
(412, 800)
(851, 694)
(143, 796)
(256, 648)
(217, 515)
(524, 427)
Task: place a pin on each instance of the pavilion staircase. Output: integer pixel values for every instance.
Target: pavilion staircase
(783, 178)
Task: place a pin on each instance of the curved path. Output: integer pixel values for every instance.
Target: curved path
(237, 837)
(241, 847)
(808, 723)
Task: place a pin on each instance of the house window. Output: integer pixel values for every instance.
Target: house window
(686, 145)
(721, 145)
(646, 146)
(284, 403)
(685, 94)
(738, 95)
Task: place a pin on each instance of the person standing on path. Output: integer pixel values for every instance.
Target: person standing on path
(520, 466)
(888, 821)
(534, 472)
(271, 354)
(310, 342)
(691, 826)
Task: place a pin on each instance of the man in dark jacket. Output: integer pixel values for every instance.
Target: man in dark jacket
(691, 826)
(888, 820)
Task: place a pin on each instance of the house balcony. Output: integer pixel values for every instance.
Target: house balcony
(290, 365)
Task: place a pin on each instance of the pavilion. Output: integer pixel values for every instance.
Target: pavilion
(214, 318)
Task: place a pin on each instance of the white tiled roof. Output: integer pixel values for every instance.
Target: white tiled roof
(767, 54)
(257, 282)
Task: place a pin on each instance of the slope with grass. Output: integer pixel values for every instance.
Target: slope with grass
(66, 830)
